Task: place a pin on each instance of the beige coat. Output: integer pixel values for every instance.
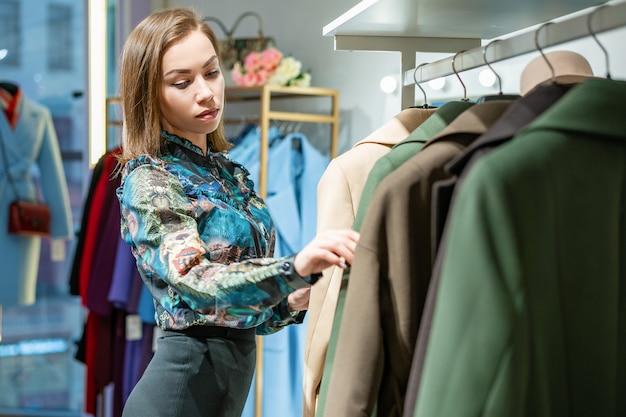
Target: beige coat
(392, 268)
(338, 195)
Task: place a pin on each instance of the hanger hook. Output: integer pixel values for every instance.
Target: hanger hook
(489, 65)
(593, 35)
(541, 51)
(418, 84)
(458, 76)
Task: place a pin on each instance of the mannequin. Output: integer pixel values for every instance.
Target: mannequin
(28, 138)
(569, 68)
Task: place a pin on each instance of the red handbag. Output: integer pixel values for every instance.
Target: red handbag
(25, 218)
(29, 219)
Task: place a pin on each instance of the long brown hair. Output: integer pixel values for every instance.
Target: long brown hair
(141, 74)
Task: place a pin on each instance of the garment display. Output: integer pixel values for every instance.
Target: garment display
(291, 188)
(530, 326)
(338, 194)
(398, 154)
(396, 282)
(391, 273)
(539, 96)
(101, 333)
(35, 165)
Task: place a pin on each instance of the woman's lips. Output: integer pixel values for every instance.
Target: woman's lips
(208, 114)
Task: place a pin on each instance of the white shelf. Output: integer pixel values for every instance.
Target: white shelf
(411, 26)
(474, 19)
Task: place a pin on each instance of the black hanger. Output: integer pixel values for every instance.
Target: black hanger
(500, 95)
(425, 105)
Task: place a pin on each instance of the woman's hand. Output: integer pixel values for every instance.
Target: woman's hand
(331, 247)
(299, 299)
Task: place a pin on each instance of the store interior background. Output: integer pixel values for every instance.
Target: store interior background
(38, 375)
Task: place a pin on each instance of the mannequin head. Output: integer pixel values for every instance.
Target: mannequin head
(569, 67)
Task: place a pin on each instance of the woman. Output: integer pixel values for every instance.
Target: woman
(202, 238)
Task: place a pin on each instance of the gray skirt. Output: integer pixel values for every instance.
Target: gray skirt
(196, 376)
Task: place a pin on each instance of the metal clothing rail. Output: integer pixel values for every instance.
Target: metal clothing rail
(267, 94)
(603, 18)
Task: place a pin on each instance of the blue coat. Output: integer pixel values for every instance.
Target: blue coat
(292, 178)
(34, 157)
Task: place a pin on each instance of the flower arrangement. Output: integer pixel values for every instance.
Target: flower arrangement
(269, 67)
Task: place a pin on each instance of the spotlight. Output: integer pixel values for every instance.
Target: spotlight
(486, 78)
(388, 84)
(437, 83)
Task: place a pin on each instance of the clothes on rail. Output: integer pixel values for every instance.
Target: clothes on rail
(529, 311)
(30, 142)
(398, 154)
(294, 167)
(392, 269)
(338, 194)
(538, 98)
(569, 67)
(393, 283)
(116, 344)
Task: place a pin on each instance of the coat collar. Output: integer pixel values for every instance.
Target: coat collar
(517, 116)
(398, 128)
(476, 120)
(10, 103)
(592, 107)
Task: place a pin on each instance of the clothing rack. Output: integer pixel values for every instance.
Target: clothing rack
(266, 95)
(551, 33)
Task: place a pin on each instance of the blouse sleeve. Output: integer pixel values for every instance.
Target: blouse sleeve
(158, 221)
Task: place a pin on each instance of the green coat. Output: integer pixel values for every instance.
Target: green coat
(530, 317)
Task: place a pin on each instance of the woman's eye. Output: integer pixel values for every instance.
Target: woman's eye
(213, 74)
(181, 84)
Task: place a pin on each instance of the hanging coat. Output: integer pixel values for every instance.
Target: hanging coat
(386, 164)
(32, 146)
(294, 170)
(338, 195)
(529, 314)
(391, 271)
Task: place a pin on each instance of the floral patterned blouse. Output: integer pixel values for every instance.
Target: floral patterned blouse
(203, 241)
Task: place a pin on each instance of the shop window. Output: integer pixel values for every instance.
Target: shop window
(10, 33)
(44, 44)
(59, 40)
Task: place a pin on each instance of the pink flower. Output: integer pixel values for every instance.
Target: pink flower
(262, 77)
(269, 66)
(251, 79)
(270, 58)
(252, 61)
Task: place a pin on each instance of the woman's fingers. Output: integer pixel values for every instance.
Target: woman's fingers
(331, 247)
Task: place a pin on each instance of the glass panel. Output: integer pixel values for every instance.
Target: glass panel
(42, 51)
(10, 50)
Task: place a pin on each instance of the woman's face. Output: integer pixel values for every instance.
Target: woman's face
(192, 89)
